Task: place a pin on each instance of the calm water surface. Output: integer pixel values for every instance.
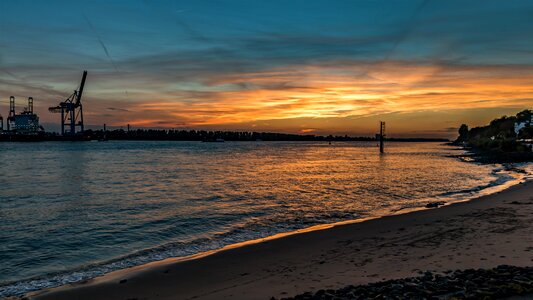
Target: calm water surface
(70, 211)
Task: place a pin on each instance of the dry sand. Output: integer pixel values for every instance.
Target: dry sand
(482, 233)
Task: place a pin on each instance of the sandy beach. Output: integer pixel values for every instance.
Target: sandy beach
(482, 233)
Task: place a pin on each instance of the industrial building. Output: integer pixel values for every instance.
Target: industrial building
(25, 122)
(22, 125)
(71, 111)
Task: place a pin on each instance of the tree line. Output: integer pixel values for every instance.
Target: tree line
(499, 138)
(206, 135)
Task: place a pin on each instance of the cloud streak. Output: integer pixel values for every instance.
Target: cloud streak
(100, 41)
(286, 67)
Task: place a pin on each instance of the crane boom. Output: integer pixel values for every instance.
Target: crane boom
(80, 91)
(71, 111)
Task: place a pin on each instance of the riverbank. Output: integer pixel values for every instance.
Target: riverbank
(482, 233)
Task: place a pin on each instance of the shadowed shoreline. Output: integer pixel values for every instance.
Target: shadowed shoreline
(482, 233)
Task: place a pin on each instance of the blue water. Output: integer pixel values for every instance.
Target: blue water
(71, 211)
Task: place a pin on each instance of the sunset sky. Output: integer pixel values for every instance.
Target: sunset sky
(315, 67)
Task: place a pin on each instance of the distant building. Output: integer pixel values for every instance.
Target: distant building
(24, 122)
(520, 125)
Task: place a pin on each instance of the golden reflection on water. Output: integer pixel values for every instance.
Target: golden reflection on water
(93, 202)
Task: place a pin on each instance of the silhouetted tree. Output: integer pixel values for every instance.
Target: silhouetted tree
(499, 138)
(463, 133)
(204, 135)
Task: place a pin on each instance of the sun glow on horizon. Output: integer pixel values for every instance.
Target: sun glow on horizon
(329, 92)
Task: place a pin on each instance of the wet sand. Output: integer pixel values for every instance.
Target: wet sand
(482, 233)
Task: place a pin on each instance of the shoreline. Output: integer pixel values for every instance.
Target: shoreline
(502, 177)
(146, 273)
(518, 175)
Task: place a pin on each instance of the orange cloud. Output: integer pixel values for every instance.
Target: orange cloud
(325, 97)
(336, 91)
(309, 130)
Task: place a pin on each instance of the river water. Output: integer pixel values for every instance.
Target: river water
(72, 211)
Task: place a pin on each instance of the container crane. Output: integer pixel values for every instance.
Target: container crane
(11, 116)
(71, 111)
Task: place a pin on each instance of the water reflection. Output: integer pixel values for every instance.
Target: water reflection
(110, 205)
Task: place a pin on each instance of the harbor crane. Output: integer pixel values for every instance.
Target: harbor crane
(71, 111)
(11, 116)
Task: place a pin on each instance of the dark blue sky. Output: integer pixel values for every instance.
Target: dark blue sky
(284, 65)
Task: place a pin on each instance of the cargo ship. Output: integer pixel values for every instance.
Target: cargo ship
(23, 127)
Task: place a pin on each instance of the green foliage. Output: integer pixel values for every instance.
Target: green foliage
(526, 133)
(499, 135)
(463, 133)
(524, 115)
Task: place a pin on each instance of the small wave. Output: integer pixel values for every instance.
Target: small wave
(505, 175)
(503, 178)
(245, 232)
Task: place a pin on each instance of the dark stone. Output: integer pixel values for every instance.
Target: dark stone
(435, 204)
(501, 282)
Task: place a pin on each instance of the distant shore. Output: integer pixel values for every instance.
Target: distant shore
(193, 135)
(481, 233)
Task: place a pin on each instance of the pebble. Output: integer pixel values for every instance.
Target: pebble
(500, 282)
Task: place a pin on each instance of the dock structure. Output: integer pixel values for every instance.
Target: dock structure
(23, 126)
(11, 116)
(381, 136)
(26, 122)
(71, 112)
